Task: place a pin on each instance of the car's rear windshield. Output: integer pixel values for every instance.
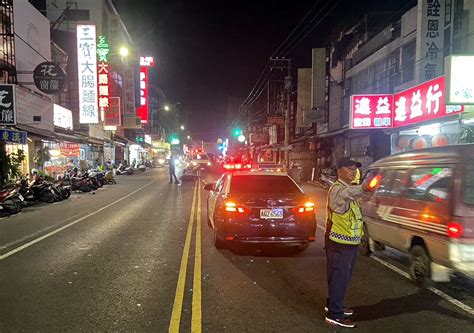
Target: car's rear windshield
(468, 183)
(263, 184)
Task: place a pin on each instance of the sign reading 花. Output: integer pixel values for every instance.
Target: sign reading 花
(103, 74)
(371, 111)
(87, 74)
(421, 103)
(49, 78)
(7, 104)
(430, 39)
(11, 136)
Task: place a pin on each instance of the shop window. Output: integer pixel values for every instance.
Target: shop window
(430, 184)
(468, 183)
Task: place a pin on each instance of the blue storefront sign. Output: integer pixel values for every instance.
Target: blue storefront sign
(11, 136)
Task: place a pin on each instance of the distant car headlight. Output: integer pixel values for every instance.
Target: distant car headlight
(161, 161)
(209, 163)
(195, 163)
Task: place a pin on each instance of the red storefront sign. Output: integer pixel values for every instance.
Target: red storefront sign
(112, 114)
(419, 104)
(422, 103)
(142, 111)
(371, 111)
(69, 149)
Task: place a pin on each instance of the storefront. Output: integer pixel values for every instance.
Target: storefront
(63, 155)
(16, 143)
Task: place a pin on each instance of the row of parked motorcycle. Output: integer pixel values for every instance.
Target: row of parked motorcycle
(124, 169)
(24, 192)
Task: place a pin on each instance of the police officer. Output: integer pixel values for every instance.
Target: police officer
(343, 235)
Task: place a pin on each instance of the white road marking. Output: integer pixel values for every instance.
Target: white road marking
(434, 290)
(24, 246)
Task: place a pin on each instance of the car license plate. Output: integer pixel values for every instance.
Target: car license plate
(271, 213)
(21, 197)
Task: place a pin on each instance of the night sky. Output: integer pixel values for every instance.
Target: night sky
(206, 51)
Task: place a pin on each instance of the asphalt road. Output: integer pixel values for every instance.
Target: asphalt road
(138, 256)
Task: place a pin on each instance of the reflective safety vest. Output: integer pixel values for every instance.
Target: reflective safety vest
(345, 228)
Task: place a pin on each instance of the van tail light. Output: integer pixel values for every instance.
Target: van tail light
(307, 207)
(454, 230)
(233, 207)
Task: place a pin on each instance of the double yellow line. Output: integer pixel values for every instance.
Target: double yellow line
(196, 319)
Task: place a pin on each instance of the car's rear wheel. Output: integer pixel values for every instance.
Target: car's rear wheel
(420, 265)
(218, 242)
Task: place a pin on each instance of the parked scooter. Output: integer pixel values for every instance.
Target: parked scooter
(124, 170)
(11, 200)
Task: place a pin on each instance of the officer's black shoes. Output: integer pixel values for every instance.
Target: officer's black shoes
(347, 311)
(340, 322)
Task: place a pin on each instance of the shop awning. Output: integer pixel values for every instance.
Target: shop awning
(95, 141)
(38, 132)
(70, 136)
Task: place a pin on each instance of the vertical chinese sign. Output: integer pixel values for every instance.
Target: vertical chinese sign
(87, 74)
(7, 104)
(371, 111)
(112, 115)
(103, 72)
(143, 110)
(430, 39)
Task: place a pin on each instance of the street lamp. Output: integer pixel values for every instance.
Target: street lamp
(182, 127)
(123, 51)
(167, 108)
(189, 137)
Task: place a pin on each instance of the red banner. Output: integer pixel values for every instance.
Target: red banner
(371, 111)
(422, 103)
(112, 114)
(69, 149)
(415, 105)
(142, 111)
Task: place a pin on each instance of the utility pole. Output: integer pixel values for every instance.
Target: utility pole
(282, 64)
(287, 113)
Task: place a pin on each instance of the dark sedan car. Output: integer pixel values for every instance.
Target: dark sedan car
(260, 207)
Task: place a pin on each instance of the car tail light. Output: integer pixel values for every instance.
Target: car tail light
(454, 230)
(307, 207)
(238, 166)
(233, 207)
(228, 166)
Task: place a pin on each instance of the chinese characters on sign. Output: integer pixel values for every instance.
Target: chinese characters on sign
(7, 104)
(49, 78)
(142, 111)
(418, 104)
(431, 34)
(112, 114)
(129, 92)
(371, 111)
(11, 136)
(69, 149)
(103, 74)
(147, 61)
(421, 103)
(87, 74)
(62, 117)
(459, 82)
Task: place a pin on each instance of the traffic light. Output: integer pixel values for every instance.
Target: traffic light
(236, 132)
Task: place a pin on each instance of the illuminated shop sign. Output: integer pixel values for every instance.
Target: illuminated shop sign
(371, 111)
(87, 74)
